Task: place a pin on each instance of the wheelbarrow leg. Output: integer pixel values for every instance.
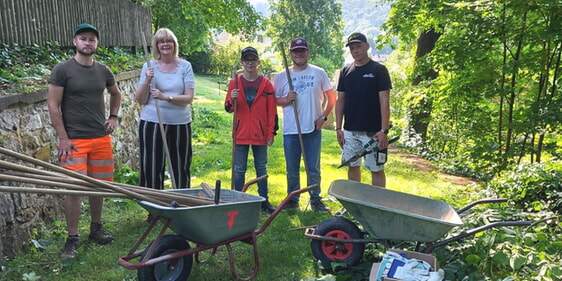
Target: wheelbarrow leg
(198, 260)
(256, 260)
(144, 235)
(157, 240)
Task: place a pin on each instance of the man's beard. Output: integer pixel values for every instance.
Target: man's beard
(90, 53)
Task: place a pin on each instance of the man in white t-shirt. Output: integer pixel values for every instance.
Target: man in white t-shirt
(311, 85)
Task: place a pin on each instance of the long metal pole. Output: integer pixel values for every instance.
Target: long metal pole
(295, 111)
(162, 130)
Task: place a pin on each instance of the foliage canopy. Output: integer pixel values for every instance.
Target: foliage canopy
(495, 99)
(193, 22)
(318, 21)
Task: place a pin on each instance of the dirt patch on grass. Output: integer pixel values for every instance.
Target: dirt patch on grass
(427, 166)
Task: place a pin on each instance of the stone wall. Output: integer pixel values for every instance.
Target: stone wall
(25, 127)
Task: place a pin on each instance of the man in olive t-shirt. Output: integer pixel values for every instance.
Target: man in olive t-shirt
(76, 105)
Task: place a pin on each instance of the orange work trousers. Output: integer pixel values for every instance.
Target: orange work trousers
(94, 158)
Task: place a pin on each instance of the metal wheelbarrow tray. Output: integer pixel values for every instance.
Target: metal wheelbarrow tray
(388, 216)
(238, 213)
(207, 227)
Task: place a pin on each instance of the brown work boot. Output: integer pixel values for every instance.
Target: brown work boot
(98, 234)
(69, 251)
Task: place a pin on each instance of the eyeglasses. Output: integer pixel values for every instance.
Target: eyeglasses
(162, 42)
(250, 60)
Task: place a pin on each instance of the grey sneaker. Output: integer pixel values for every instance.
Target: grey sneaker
(98, 234)
(69, 251)
(319, 206)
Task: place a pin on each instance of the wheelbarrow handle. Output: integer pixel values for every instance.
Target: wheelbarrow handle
(256, 180)
(297, 192)
(217, 192)
(282, 204)
(473, 231)
(483, 201)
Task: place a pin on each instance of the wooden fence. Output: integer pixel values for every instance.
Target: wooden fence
(28, 22)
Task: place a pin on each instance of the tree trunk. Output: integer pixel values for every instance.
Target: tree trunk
(420, 111)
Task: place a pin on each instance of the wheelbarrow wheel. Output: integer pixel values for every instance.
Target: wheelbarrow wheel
(167, 270)
(329, 251)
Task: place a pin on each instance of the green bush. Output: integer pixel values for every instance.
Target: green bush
(33, 64)
(534, 187)
(126, 175)
(200, 61)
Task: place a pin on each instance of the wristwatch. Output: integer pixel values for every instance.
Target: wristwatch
(385, 131)
(324, 118)
(170, 98)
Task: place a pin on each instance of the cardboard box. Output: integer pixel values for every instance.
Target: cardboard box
(430, 259)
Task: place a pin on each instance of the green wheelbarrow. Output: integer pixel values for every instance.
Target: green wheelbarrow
(233, 218)
(387, 216)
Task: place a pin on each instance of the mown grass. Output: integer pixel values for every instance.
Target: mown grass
(284, 253)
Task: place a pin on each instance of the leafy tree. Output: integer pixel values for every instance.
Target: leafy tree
(318, 21)
(194, 20)
(490, 76)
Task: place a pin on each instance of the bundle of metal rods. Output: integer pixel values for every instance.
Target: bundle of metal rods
(57, 180)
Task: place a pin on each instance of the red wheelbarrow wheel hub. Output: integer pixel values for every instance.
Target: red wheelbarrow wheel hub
(337, 250)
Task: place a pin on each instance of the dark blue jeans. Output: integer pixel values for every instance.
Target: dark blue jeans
(260, 164)
(312, 147)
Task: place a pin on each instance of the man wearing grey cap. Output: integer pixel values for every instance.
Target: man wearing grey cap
(75, 100)
(363, 109)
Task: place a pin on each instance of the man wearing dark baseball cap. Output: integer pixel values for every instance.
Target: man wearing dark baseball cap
(356, 37)
(308, 104)
(84, 27)
(363, 110)
(249, 51)
(76, 104)
(251, 97)
(298, 43)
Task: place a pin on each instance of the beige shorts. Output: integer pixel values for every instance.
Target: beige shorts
(354, 142)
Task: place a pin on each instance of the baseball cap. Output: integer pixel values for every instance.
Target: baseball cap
(82, 27)
(299, 43)
(356, 37)
(249, 51)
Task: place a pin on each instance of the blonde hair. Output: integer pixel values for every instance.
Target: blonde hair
(163, 33)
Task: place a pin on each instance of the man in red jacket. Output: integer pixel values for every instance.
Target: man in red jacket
(256, 117)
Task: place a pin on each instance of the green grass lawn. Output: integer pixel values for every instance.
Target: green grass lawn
(284, 253)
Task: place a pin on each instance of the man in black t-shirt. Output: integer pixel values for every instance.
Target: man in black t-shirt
(363, 108)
